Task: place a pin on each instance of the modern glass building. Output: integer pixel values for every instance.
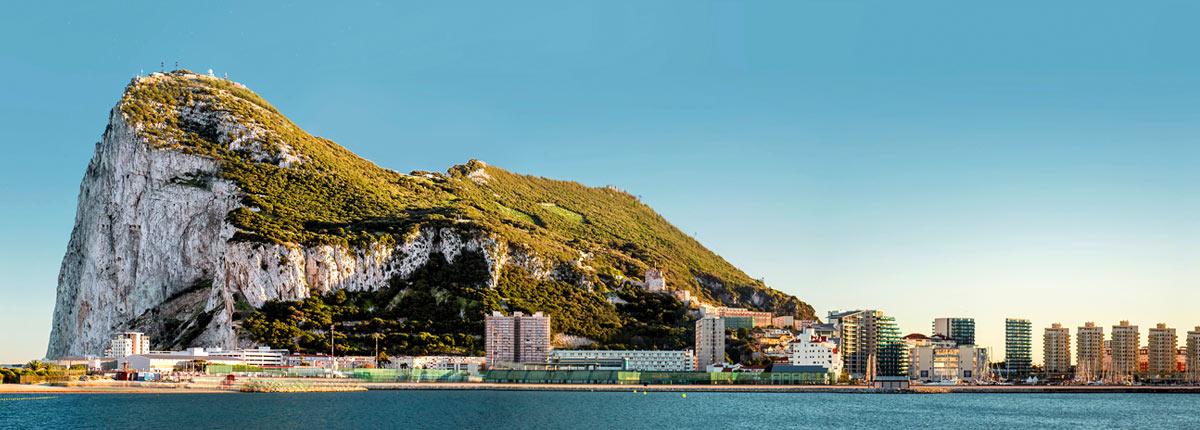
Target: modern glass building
(1018, 346)
(962, 330)
(869, 333)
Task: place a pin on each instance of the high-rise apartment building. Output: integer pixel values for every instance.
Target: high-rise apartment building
(1089, 352)
(1161, 348)
(127, 344)
(962, 330)
(518, 338)
(1056, 350)
(1193, 355)
(710, 342)
(870, 337)
(1018, 346)
(1125, 342)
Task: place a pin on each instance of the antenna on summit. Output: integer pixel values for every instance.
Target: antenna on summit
(162, 66)
(176, 65)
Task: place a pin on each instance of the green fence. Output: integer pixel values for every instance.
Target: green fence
(218, 369)
(416, 375)
(655, 378)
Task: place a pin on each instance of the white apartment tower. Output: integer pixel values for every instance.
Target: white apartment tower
(710, 342)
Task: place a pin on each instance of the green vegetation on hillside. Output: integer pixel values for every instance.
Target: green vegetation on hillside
(440, 310)
(335, 197)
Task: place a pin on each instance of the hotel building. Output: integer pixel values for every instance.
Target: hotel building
(1018, 346)
(710, 342)
(516, 339)
(1056, 350)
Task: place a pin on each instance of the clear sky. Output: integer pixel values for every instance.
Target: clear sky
(931, 158)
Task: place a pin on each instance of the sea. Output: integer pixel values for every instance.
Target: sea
(588, 410)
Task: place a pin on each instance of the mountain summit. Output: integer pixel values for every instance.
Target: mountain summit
(207, 218)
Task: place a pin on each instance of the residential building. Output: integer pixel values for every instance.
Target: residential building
(1089, 352)
(1193, 355)
(710, 342)
(812, 349)
(1018, 347)
(962, 330)
(655, 282)
(786, 321)
(1056, 350)
(641, 361)
(940, 359)
(518, 338)
(127, 344)
(1125, 342)
(870, 336)
(1162, 344)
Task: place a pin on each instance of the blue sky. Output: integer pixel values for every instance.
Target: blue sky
(1011, 159)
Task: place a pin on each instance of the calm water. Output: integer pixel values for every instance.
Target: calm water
(524, 410)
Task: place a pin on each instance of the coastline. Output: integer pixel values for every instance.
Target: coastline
(153, 388)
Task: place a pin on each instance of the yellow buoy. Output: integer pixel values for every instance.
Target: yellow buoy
(685, 395)
(643, 393)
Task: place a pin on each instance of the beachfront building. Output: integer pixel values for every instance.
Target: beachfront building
(1056, 350)
(940, 359)
(518, 338)
(1018, 347)
(1161, 348)
(308, 360)
(870, 343)
(1125, 343)
(962, 330)
(1089, 352)
(640, 361)
(127, 344)
(812, 349)
(710, 342)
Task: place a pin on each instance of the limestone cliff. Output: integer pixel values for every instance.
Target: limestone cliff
(200, 199)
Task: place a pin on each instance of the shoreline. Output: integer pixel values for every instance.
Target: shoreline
(413, 386)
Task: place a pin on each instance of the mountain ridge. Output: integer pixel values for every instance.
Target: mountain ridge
(288, 216)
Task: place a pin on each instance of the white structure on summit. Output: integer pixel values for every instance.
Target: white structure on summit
(655, 282)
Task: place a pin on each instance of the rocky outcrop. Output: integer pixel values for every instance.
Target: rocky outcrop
(151, 230)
